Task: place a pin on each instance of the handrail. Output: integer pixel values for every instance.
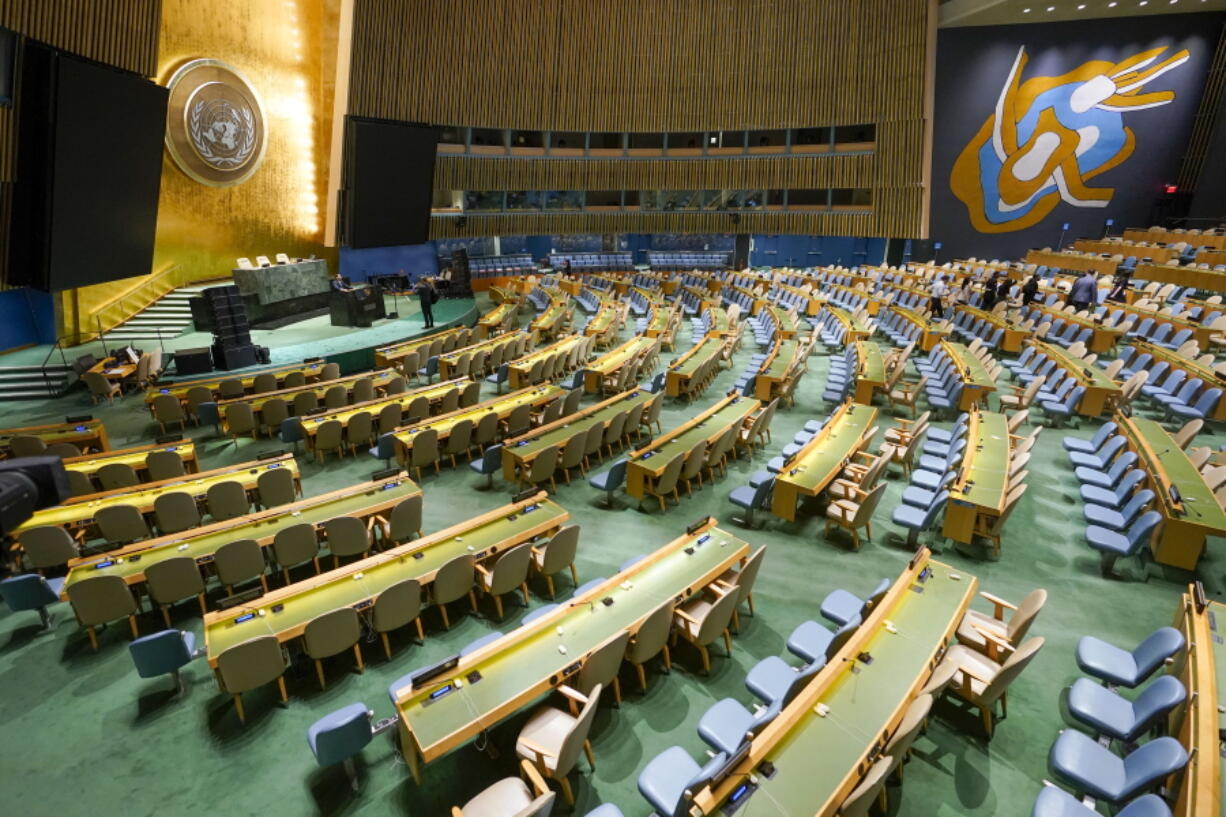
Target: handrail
(147, 291)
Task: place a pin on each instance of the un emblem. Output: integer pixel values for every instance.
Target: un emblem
(215, 124)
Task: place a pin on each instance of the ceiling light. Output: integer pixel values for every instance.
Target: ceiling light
(1143, 3)
(1050, 9)
(1025, 11)
(1083, 5)
(1112, 4)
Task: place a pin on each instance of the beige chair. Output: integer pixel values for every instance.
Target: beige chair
(592, 443)
(552, 738)
(855, 513)
(329, 437)
(239, 561)
(705, 619)
(601, 667)
(168, 409)
(397, 385)
(163, 465)
(330, 371)
(175, 511)
(115, 475)
(742, 581)
(870, 791)
(346, 536)
(691, 469)
(227, 500)
(336, 397)
(572, 455)
(450, 402)
(231, 389)
(511, 797)
(543, 466)
(62, 450)
(240, 420)
(27, 445)
(390, 417)
(424, 451)
(293, 545)
(556, 555)
(453, 581)
(980, 681)
(194, 397)
(121, 523)
(264, 382)
(470, 395)
(1184, 436)
(172, 580)
(907, 394)
(331, 633)
(1022, 397)
(273, 412)
(666, 483)
(510, 572)
(396, 607)
(102, 599)
(402, 525)
(249, 665)
(359, 431)
(518, 421)
(983, 632)
(363, 390)
(47, 546)
(305, 402)
(276, 487)
(459, 440)
(100, 388)
(294, 380)
(419, 409)
(913, 720)
(994, 529)
(79, 484)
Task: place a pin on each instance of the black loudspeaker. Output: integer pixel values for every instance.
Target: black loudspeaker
(740, 256)
(922, 249)
(262, 355)
(461, 276)
(233, 357)
(194, 361)
(894, 248)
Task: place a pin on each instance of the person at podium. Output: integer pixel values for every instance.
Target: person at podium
(339, 285)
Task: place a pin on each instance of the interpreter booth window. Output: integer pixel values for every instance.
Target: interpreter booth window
(527, 143)
(855, 137)
(646, 144)
(808, 199)
(811, 140)
(606, 144)
(452, 139)
(562, 200)
(483, 201)
(567, 143)
(524, 199)
(685, 144)
(488, 140)
(768, 141)
(604, 199)
(725, 143)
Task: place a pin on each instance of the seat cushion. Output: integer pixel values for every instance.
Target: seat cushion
(918, 497)
(1101, 709)
(724, 725)
(1104, 517)
(973, 622)
(1106, 661)
(809, 641)
(910, 516)
(770, 678)
(930, 480)
(1107, 540)
(1096, 495)
(1092, 476)
(547, 728)
(508, 796)
(1089, 767)
(663, 779)
(840, 606)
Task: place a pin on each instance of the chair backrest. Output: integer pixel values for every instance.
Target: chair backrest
(560, 550)
(910, 725)
(47, 546)
(667, 482)
(251, 664)
(717, 619)
(572, 743)
(227, 500)
(167, 408)
(744, 578)
(511, 569)
(1152, 762)
(545, 463)
(119, 475)
(295, 544)
(1158, 646)
(121, 523)
(389, 417)
(172, 579)
(454, 579)
(1025, 614)
(1187, 432)
(331, 632)
(100, 599)
(602, 664)
(238, 561)
(864, 795)
(240, 419)
(651, 635)
(276, 487)
(273, 412)
(397, 605)
(1012, 668)
(425, 448)
(347, 536)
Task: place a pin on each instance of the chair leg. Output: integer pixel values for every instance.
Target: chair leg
(133, 626)
(587, 750)
(566, 791)
(421, 634)
(387, 646)
(642, 676)
(498, 606)
(728, 642)
(319, 670)
(472, 600)
(238, 706)
(549, 584)
(93, 637)
(442, 608)
(357, 652)
(706, 659)
(166, 615)
(574, 574)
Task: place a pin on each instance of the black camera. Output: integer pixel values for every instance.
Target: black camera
(27, 484)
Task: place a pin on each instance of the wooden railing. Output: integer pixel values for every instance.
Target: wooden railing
(142, 293)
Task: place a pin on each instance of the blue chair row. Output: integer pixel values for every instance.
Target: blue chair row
(969, 327)
(898, 329)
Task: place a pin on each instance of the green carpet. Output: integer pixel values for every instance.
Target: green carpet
(68, 714)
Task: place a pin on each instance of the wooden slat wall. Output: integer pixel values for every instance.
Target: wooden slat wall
(123, 33)
(659, 65)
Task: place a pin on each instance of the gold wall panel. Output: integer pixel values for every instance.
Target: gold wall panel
(281, 47)
(661, 65)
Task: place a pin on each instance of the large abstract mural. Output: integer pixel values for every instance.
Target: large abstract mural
(1039, 126)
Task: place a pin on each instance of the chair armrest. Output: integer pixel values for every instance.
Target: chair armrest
(455, 812)
(376, 519)
(683, 614)
(905, 423)
(866, 455)
(1000, 603)
(724, 585)
(994, 642)
(535, 748)
(483, 570)
(534, 777)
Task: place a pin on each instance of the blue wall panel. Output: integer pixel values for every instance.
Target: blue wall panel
(415, 259)
(27, 316)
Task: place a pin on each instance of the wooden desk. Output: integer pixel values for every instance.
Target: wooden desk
(606, 319)
(519, 452)
(976, 382)
(855, 328)
(88, 464)
(813, 301)
(549, 321)
(931, 332)
(535, 396)
(645, 464)
(978, 495)
(1103, 338)
(1101, 391)
(1211, 378)
(1211, 257)
(819, 760)
(1203, 279)
(661, 317)
(612, 361)
(785, 322)
(129, 563)
(492, 322)
(87, 435)
(718, 323)
(359, 583)
(1151, 251)
(519, 370)
(391, 354)
(526, 663)
(379, 380)
(115, 373)
(1180, 539)
(79, 511)
(873, 304)
(448, 361)
(1011, 340)
(179, 388)
(1202, 669)
(784, 356)
(682, 370)
(1200, 332)
(870, 371)
(1161, 236)
(435, 393)
(1073, 261)
(816, 465)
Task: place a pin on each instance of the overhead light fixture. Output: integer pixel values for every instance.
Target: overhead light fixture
(1050, 9)
(1025, 11)
(1143, 3)
(1082, 6)
(1112, 4)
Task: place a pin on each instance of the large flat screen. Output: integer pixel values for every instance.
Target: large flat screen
(389, 176)
(106, 172)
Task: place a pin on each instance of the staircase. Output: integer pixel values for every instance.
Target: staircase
(27, 382)
(170, 315)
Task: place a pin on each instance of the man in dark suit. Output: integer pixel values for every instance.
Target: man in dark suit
(426, 294)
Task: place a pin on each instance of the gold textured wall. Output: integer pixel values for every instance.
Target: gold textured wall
(286, 49)
(660, 65)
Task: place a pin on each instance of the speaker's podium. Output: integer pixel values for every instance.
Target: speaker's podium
(360, 307)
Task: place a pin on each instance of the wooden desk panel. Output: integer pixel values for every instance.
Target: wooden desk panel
(89, 464)
(88, 435)
(817, 464)
(978, 495)
(179, 388)
(645, 464)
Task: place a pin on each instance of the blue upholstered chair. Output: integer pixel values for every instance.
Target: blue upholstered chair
(538, 612)
(290, 430)
(1054, 802)
(1094, 769)
(499, 377)
(727, 724)
(921, 496)
(605, 810)
(489, 464)
(1114, 545)
(339, 736)
(753, 497)
(30, 591)
(1108, 478)
(813, 642)
(657, 383)
(588, 585)
(1092, 445)
(610, 481)
(1101, 459)
(776, 682)
(1118, 519)
(1115, 496)
(1066, 407)
(919, 519)
(384, 448)
(671, 778)
(163, 653)
(207, 412)
(842, 606)
(430, 369)
(1200, 409)
(1113, 665)
(478, 643)
(1111, 714)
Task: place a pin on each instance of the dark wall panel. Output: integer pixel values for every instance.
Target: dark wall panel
(1064, 136)
(388, 182)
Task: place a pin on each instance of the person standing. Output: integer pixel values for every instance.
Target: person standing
(936, 303)
(1030, 290)
(426, 295)
(989, 294)
(1084, 292)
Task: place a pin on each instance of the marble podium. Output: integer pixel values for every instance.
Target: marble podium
(281, 291)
